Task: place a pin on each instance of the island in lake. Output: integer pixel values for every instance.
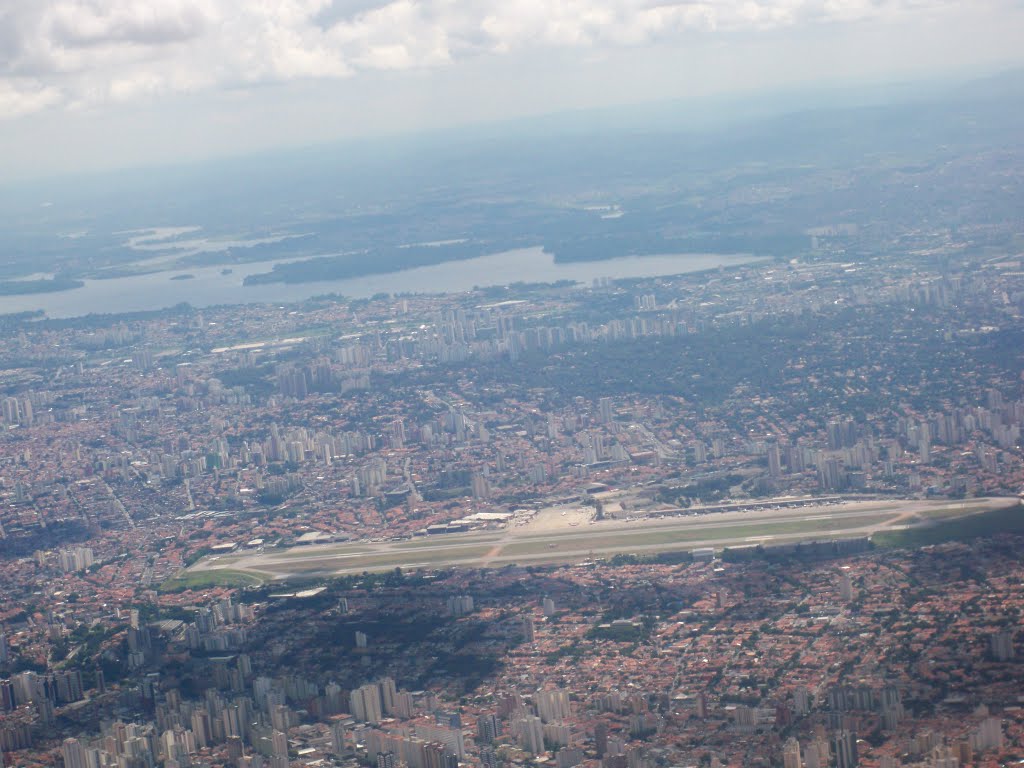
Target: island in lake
(44, 285)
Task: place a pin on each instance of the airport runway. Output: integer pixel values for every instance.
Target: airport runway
(577, 541)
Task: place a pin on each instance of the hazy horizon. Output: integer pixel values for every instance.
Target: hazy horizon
(86, 89)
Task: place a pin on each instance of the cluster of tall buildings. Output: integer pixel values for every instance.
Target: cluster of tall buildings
(75, 559)
(371, 702)
(29, 687)
(17, 411)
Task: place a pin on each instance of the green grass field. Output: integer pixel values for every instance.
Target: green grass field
(341, 548)
(625, 539)
(383, 561)
(958, 510)
(1009, 519)
(433, 541)
(356, 548)
(218, 578)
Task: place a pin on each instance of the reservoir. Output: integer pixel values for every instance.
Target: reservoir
(215, 285)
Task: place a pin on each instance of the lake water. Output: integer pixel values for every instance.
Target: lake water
(210, 287)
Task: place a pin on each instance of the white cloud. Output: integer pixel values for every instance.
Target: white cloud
(84, 52)
(23, 98)
(78, 24)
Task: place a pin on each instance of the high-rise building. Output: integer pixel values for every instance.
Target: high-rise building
(75, 559)
(340, 743)
(700, 707)
(963, 752)
(943, 757)
(552, 706)
(28, 687)
(1001, 643)
(831, 475)
(801, 700)
(451, 738)
(531, 734)
(487, 728)
(142, 360)
(280, 717)
(73, 753)
(201, 727)
(774, 460)
(480, 487)
(890, 704)
(988, 735)
(236, 751)
(365, 703)
(529, 629)
(791, 754)
(844, 744)
(845, 587)
(11, 410)
(388, 694)
(700, 453)
(558, 734)
(601, 738)
(279, 741)
(812, 756)
(460, 605)
(405, 705)
(398, 434)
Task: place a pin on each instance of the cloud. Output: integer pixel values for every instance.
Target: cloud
(86, 52)
(23, 98)
(76, 24)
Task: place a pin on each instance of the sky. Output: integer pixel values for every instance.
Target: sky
(105, 84)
